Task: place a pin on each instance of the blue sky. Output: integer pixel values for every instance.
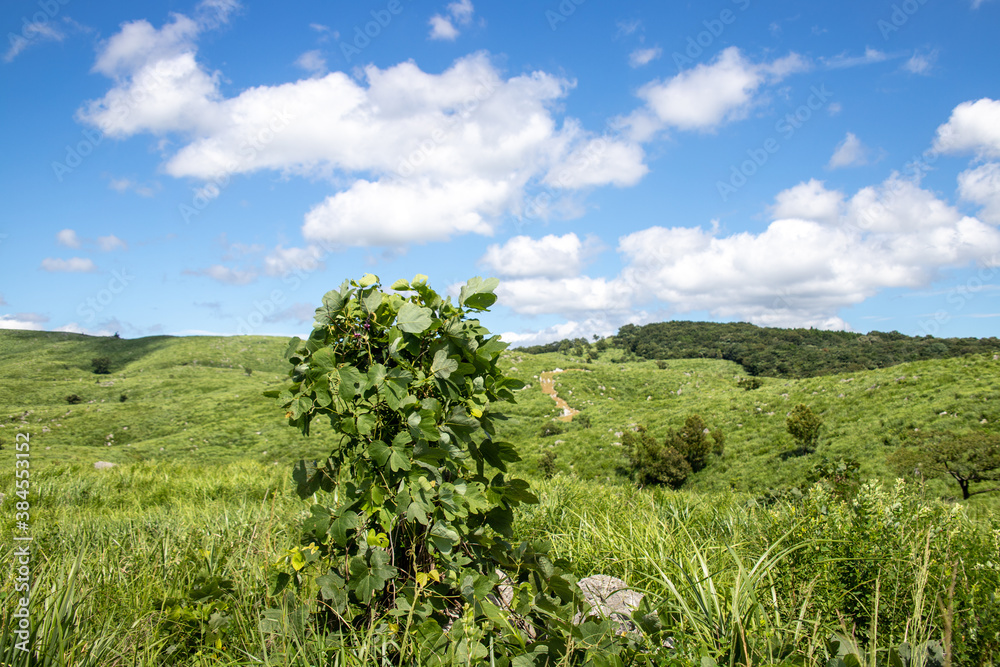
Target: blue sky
(216, 166)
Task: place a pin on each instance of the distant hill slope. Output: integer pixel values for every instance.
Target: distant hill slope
(180, 398)
(787, 353)
(199, 399)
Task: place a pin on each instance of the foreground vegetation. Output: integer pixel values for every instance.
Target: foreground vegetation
(161, 563)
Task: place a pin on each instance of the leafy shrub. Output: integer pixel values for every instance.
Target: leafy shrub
(122, 398)
(413, 506)
(73, 399)
(750, 383)
(653, 462)
(101, 365)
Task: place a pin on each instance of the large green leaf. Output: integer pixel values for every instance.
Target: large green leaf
(345, 522)
(443, 537)
(442, 366)
(351, 382)
(333, 588)
(478, 293)
(413, 319)
(370, 576)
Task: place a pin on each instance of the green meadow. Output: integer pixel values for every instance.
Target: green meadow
(171, 556)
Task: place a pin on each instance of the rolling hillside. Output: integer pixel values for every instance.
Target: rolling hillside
(199, 399)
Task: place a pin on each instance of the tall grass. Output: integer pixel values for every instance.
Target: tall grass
(158, 564)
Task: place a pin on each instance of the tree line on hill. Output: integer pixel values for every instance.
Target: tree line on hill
(787, 353)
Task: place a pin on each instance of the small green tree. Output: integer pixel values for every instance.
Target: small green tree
(101, 365)
(967, 458)
(804, 427)
(692, 442)
(653, 462)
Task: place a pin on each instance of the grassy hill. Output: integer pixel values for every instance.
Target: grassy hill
(141, 564)
(189, 398)
(198, 399)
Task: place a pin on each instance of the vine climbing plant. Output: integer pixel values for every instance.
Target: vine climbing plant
(414, 505)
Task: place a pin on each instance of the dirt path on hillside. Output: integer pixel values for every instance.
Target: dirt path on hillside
(548, 387)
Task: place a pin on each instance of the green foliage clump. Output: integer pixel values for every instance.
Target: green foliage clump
(101, 365)
(750, 383)
(652, 461)
(547, 465)
(681, 453)
(74, 399)
(803, 425)
(692, 442)
(413, 507)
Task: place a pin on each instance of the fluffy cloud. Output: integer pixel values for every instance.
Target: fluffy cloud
(581, 294)
(71, 265)
(312, 62)
(68, 238)
(973, 127)
(400, 212)
(433, 155)
(641, 57)
(549, 257)
(801, 271)
(982, 186)
(849, 153)
(32, 321)
(708, 95)
(808, 201)
(821, 252)
(443, 26)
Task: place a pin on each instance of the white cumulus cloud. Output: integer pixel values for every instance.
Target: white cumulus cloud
(973, 127)
(981, 185)
(550, 257)
(708, 95)
(414, 156)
